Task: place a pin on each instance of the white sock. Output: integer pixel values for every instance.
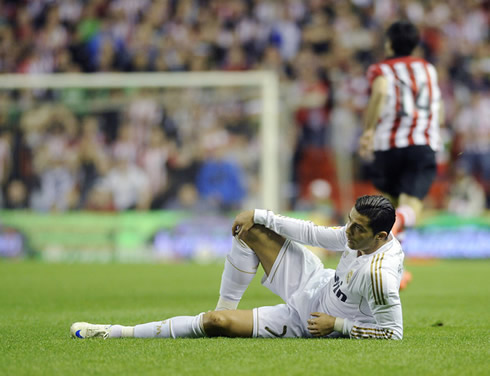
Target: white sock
(119, 331)
(175, 327)
(240, 267)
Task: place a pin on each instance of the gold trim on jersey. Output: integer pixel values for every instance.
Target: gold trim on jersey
(358, 332)
(376, 269)
(373, 285)
(279, 263)
(381, 280)
(376, 275)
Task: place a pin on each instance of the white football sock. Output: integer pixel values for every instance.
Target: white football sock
(240, 267)
(119, 331)
(175, 327)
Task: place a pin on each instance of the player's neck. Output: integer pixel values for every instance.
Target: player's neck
(377, 245)
(396, 56)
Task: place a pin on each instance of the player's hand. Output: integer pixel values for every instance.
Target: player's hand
(320, 324)
(366, 145)
(243, 223)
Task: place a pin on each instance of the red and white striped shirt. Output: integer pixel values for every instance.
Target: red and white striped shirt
(410, 115)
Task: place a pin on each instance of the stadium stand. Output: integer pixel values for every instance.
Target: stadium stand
(319, 48)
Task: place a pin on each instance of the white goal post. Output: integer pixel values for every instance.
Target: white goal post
(267, 81)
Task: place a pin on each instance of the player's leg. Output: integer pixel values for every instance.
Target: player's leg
(211, 324)
(267, 322)
(236, 323)
(407, 212)
(174, 327)
(266, 244)
(241, 265)
(415, 182)
(288, 266)
(386, 173)
(260, 245)
(228, 323)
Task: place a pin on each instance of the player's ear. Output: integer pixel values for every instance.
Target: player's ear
(382, 235)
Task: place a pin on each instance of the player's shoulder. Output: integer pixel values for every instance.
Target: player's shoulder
(386, 260)
(373, 71)
(393, 255)
(382, 272)
(394, 248)
(405, 60)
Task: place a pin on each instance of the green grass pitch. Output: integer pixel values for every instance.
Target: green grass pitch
(38, 302)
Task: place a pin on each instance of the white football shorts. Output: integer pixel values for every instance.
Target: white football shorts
(298, 277)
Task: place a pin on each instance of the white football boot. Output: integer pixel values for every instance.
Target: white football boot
(85, 330)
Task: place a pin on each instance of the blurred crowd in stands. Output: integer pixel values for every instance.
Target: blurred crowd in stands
(57, 157)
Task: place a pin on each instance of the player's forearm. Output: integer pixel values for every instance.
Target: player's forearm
(373, 112)
(365, 331)
(388, 321)
(376, 103)
(304, 232)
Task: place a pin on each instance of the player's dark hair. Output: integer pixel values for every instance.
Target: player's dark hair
(379, 210)
(404, 37)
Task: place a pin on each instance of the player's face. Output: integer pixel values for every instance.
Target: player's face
(360, 236)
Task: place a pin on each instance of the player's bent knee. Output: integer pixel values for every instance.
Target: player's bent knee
(250, 236)
(216, 323)
(261, 237)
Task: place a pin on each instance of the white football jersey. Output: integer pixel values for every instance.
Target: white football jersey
(364, 290)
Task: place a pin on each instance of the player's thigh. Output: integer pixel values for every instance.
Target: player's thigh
(280, 321)
(420, 171)
(294, 267)
(385, 172)
(266, 244)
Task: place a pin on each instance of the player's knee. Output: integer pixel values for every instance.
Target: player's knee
(216, 323)
(261, 239)
(258, 235)
(251, 235)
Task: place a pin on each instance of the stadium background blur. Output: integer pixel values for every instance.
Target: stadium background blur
(133, 175)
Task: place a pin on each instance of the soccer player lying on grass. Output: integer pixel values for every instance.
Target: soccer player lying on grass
(360, 299)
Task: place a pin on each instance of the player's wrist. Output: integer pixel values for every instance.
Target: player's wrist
(338, 325)
(259, 216)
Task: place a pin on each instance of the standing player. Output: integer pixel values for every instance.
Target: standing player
(359, 299)
(401, 124)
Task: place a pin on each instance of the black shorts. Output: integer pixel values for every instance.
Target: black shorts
(409, 170)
